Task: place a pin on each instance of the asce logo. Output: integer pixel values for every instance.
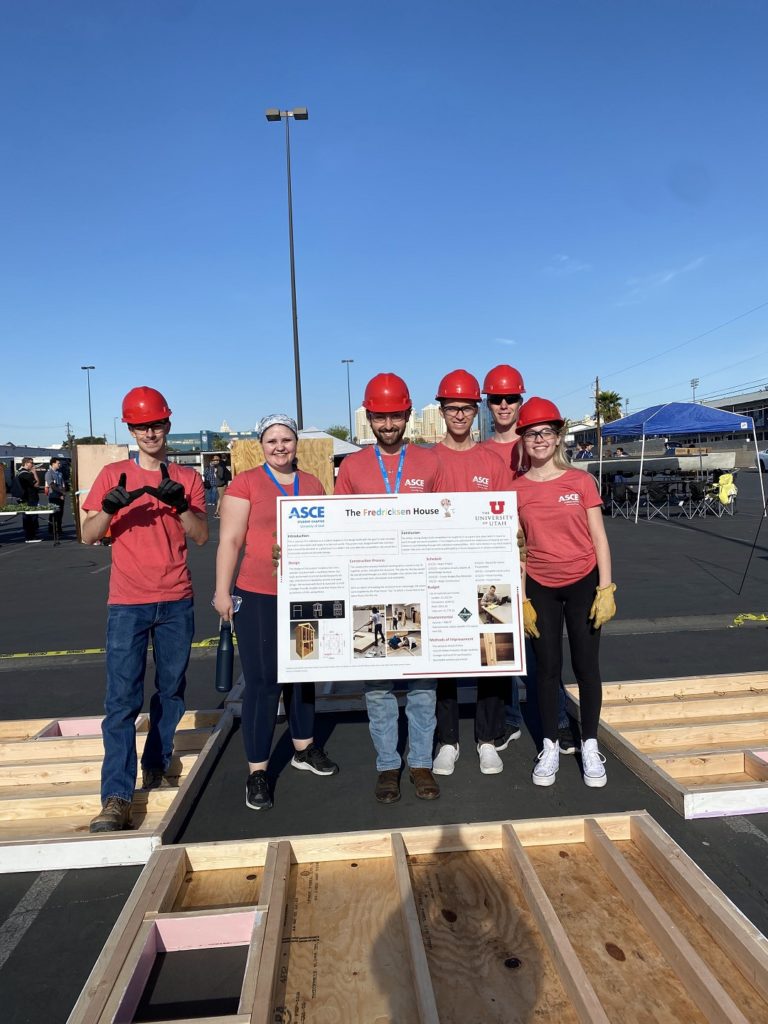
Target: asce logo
(307, 512)
(569, 499)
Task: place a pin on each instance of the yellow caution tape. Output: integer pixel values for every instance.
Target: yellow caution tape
(212, 641)
(750, 617)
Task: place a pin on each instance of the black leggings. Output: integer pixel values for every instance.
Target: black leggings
(489, 710)
(256, 629)
(572, 603)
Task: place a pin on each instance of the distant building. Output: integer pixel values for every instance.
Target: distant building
(749, 403)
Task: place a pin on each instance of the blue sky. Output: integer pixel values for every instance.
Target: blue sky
(571, 186)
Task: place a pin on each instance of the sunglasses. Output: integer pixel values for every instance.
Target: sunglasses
(509, 399)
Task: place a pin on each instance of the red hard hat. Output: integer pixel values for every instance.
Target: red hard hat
(459, 384)
(503, 380)
(386, 392)
(143, 405)
(538, 410)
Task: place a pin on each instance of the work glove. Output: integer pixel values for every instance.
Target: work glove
(529, 619)
(169, 492)
(522, 547)
(603, 607)
(119, 498)
(276, 554)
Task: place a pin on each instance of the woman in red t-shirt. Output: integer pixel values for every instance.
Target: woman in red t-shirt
(567, 576)
(249, 518)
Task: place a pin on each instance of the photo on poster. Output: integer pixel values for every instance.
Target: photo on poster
(368, 639)
(305, 642)
(494, 604)
(496, 648)
(405, 615)
(404, 643)
(317, 610)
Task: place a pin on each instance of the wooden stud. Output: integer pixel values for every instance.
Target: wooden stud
(699, 982)
(573, 978)
(735, 935)
(422, 982)
(276, 874)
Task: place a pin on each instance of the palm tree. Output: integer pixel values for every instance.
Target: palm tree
(609, 406)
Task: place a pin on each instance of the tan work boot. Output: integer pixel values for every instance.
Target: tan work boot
(114, 816)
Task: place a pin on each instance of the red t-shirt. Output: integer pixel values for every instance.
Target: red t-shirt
(511, 452)
(553, 514)
(473, 469)
(361, 474)
(256, 570)
(149, 546)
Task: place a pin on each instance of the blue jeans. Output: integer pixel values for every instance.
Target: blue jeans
(512, 714)
(171, 625)
(381, 703)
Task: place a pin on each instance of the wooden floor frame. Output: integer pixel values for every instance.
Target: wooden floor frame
(50, 772)
(689, 937)
(700, 742)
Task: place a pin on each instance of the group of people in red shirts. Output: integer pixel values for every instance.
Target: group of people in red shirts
(151, 510)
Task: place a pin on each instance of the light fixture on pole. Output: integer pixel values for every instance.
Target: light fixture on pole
(349, 396)
(694, 385)
(114, 426)
(90, 415)
(298, 114)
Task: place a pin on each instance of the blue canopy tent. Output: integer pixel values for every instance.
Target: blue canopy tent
(681, 418)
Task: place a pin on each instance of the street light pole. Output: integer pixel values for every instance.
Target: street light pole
(90, 415)
(114, 426)
(298, 114)
(349, 396)
(694, 385)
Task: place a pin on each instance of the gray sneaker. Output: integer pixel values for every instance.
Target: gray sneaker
(115, 816)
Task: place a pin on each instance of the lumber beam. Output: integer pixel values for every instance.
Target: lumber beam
(274, 889)
(422, 981)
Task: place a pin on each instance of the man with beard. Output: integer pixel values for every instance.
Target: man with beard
(389, 467)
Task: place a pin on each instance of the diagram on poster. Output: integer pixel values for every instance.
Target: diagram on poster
(399, 585)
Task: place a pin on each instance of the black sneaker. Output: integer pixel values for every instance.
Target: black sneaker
(153, 778)
(565, 739)
(257, 795)
(314, 759)
(512, 732)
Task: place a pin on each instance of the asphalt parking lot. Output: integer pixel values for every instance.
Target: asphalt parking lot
(681, 589)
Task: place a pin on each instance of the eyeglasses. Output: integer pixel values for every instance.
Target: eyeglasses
(459, 410)
(509, 399)
(382, 417)
(547, 434)
(144, 428)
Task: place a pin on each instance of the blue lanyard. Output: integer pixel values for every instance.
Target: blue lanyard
(383, 469)
(277, 483)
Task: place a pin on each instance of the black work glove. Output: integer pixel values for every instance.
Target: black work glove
(119, 498)
(169, 492)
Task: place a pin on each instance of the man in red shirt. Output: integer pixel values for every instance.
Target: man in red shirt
(504, 389)
(388, 467)
(151, 509)
(464, 465)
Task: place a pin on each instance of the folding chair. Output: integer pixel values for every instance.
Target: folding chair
(620, 504)
(657, 502)
(695, 504)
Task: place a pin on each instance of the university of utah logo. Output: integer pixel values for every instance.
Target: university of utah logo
(497, 507)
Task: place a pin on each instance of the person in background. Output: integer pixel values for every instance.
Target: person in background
(152, 509)
(25, 489)
(620, 454)
(221, 478)
(378, 629)
(56, 491)
(392, 466)
(249, 520)
(464, 465)
(567, 577)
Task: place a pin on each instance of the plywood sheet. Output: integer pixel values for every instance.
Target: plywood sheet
(50, 778)
(330, 944)
(88, 460)
(691, 739)
(314, 455)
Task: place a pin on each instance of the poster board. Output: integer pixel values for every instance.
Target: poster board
(399, 586)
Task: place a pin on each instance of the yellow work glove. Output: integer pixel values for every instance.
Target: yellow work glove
(529, 619)
(521, 545)
(603, 607)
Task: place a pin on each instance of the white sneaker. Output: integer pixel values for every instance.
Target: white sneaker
(490, 762)
(547, 763)
(593, 765)
(447, 756)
